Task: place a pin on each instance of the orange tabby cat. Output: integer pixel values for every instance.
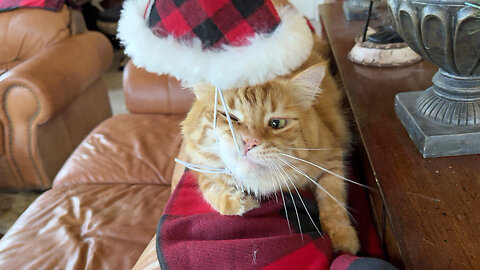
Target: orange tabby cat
(275, 123)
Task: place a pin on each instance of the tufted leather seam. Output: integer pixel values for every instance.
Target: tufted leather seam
(10, 136)
(17, 58)
(9, 62)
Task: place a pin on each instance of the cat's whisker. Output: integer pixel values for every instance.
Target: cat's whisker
(269, 168)
(276, 174)
(215, 117)
(309, 149)
(201, 168)
(281, 194)
(301, 200)
(293, 201)
(283, 199)
(328, 171)
(318, 185)
(225, 107)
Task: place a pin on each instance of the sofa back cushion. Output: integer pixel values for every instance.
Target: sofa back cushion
(150, 93)
(25, 32)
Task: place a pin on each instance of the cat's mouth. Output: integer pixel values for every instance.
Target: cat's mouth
(256, 161)
(253, 161)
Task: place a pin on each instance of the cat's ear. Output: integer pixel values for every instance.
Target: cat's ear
(307, 84)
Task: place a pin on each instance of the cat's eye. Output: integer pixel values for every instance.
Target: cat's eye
(277, 123)
(233, 117)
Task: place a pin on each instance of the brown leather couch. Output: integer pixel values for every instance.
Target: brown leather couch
(107, 199)
(51, 92)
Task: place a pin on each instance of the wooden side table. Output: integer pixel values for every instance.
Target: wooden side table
(427, 209)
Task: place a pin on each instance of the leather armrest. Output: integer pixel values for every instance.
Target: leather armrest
(59, 73)
(147, 92)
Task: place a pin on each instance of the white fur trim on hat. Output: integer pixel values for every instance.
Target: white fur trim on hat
(266, 57)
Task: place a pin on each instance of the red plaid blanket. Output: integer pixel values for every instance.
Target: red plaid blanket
(191, 235)
(53, 5)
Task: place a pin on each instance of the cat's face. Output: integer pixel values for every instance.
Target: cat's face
(269, 121)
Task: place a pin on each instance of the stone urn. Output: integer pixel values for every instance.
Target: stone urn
(443, 120)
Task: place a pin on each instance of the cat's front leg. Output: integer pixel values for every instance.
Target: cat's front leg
(333, 213)
(224, 198)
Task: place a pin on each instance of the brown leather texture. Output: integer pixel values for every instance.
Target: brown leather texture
(60, 72)
(49, 103)
(58, 138)
(85, 227)
(36, 152)
(106, 201)
(25, 32)
(148, 260)
(128, 148)
(147, 92)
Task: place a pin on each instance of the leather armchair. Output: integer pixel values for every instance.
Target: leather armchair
(106, 200)
(51, 92)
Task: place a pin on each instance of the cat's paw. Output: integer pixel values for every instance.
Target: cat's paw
(237, 204)
(345, 239)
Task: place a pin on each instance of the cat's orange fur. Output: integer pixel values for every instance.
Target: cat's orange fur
(309, 100)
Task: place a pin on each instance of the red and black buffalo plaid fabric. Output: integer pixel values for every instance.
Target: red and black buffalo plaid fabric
(192, 235)
(53, 5)
(229, 22)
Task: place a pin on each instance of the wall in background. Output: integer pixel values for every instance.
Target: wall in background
(309, 8)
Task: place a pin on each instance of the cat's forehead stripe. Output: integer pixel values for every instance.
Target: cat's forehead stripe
(259, 99)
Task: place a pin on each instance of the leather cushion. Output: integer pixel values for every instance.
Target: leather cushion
(128, 148)
(25, 32)
(85, 227)
(147, 92)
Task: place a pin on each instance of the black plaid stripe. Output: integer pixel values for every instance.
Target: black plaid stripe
(154, 18)
(247, 7)
(262, 20)
(208, 33)
(155, 23)
(227, 18)
(232, 19)
(179, 3)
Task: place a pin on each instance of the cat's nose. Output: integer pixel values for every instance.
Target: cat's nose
(250, 142)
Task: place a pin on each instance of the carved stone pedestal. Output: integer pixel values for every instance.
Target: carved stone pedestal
(432, 138)
(443, 120)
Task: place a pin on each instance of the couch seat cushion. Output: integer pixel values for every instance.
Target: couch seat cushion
(85, 227)
(127, 148)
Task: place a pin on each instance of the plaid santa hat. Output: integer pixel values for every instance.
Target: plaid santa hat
(225, 43)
